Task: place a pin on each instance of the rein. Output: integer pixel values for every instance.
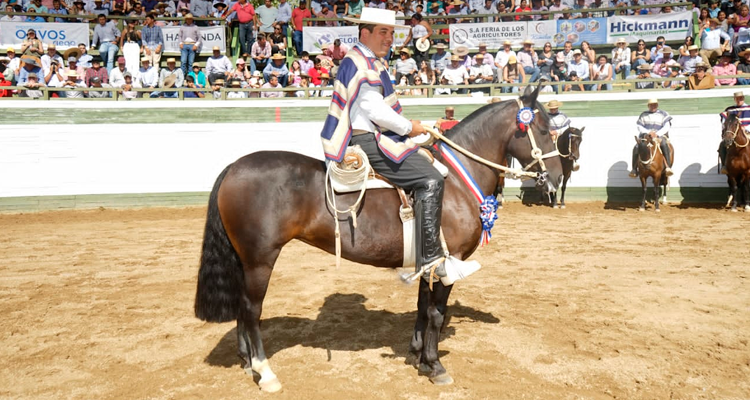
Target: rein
(513, 173)
(653, 154)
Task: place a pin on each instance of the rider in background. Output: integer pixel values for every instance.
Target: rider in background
(444, 124)
(743, 113)
(558, 122)
(654, 121)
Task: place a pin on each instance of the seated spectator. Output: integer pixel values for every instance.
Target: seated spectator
(216, 87)
(501, 59)
(96, 70)
(190, 84)
(325, 82)
(688, 63)
(661, 66)
(621, 58)
(579, 66)
(303, 83)
(528, 60)
(31, 65)
(640, 56)
(9, 17)
(147, 76)
(96, 83)
(513, 74)
(218, 65)
(117, 76)
(488, 58)
(644, 72)
(260, 53)
(177, 79)
(405, 66)
(480, 73)
(559, 71)
(418, 91)
(675, 71)
(5, 82)
(278, 40)
(240, 73)
(277, 67)
(546, 87)
(315, 72)
(741, 40)
(13, 65)
(524, 7)
(440, 60)
(255, 82)
(743, 68)
(53, 77)
(701, 79)
(57, 9)
(73, 66)
(72, 81)
(723, 68)
(683, 50)
(602, 72)
(305, 63)
(336, 51)
(236, 94)
(427, 74)
(84, 59)
(557, 6)
(401, 87)
(127, 88)
(656, 50)
(711, 46)
(455, 74)
(52, 55)
(199, 78)
(32, 86)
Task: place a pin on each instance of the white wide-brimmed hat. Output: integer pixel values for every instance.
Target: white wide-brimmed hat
(376, 16)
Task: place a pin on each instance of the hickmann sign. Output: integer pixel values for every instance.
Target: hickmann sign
(673, 26)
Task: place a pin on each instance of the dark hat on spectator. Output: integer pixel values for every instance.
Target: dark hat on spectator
(72, 52)
(727, 54)
(31, 60)
(96, 79)
(97, 60)
(220, 5)
(461, 51)
(33, 75)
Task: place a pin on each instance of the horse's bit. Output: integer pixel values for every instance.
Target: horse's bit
(537, 155)
(738, 128)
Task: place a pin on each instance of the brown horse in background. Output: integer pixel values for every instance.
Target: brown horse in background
(651, 163)
(738, 160)
(266, 199)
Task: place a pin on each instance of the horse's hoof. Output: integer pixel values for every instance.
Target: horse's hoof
(641, 209)
(442, 379)
(270, 386)
(562, 207)
(734, 209)
(657, 210)
(747, 208)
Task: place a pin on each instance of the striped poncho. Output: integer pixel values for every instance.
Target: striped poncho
(355, 70)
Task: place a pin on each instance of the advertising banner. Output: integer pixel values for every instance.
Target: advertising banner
(592, 30)
(673, 26)
(542, 32)
(211, 35)
(315, 37)
(63, 35)
(494, 34)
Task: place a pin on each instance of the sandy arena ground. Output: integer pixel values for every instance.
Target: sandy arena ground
(583, 303)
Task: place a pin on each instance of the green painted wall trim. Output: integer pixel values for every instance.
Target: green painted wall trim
(601, 108)
(620, 195)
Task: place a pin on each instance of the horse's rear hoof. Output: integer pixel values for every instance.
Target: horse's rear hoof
(747, 208)
(442, 379)
(657, 210)
(641, 209)
(271, 386)
(734, 209)
(562, 207)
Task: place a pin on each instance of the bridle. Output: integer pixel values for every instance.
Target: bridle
(571, 135)
(738, 129)
(652, 151)
(512, 173)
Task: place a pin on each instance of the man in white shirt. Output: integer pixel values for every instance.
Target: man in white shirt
(455, 74)
(52, 54)
(218, 65)
(501, 59)
(273, 83)
(147, 76)
(117, 76)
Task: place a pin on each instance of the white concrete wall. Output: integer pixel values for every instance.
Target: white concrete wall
(43, 160)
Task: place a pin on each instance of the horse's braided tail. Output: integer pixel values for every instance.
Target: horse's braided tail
(220, 278)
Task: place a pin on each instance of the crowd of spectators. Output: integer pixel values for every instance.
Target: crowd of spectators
(262, 62)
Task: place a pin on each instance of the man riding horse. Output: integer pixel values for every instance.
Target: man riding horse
(364, 111)
(558, 122)
(743, 114)
(654, 121)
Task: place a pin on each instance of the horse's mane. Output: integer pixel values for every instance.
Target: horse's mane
(491, 116)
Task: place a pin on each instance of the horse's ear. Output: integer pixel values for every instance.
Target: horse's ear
(581, 131)
(636, 138)
(530, 95)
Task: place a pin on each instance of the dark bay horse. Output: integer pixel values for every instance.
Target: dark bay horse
(568, 144)
(651, 163)
(738, 160)
(264, 200)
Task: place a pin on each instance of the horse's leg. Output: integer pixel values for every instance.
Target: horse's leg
(644, 184)
(248, 325)
(566, 176)
(499, 192)
(416, 346)
(746, 192)
(437, 305)
(733, 193)
(657, 192)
